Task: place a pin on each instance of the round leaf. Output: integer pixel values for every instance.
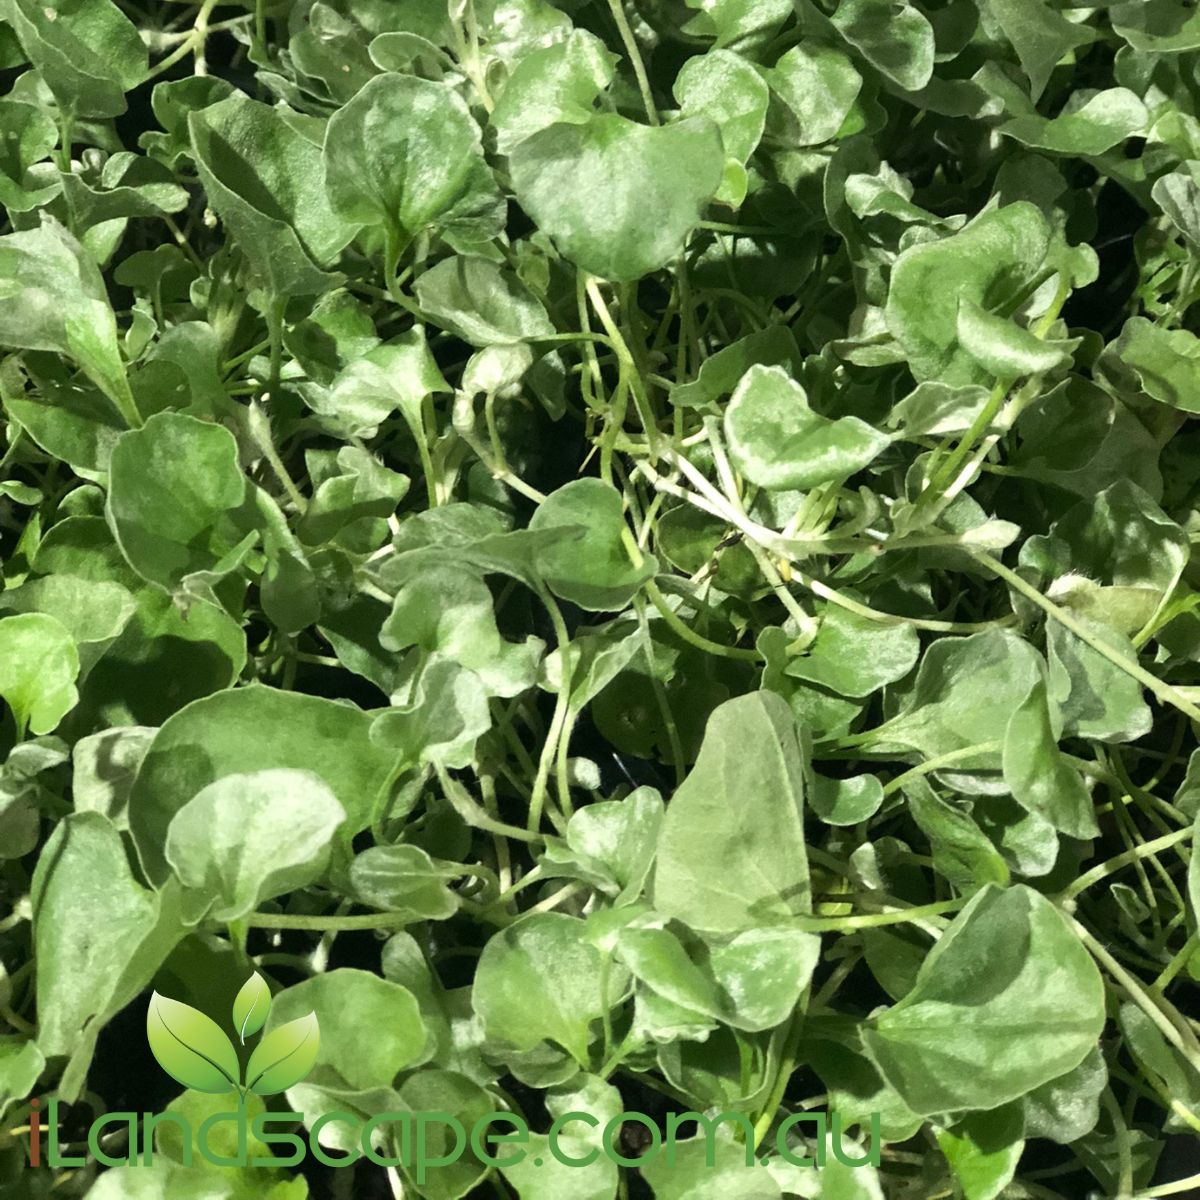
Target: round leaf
(401, 153)
(39, 664)
(619, 198)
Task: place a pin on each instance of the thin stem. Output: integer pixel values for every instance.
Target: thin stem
(558, 720)
(902, 916)
(1164, 691)
(635, 59)
(1134, 855)
(787, 1064)
(689, 635)
(319, 924)
(1170, 1024)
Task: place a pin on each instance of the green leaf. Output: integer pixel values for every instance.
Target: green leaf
(1038, 776)
(818, 85)
(892, 35)
(448, 611)
(404, 879)
(54, 299)
(480, 302)
(960, 686)
(752, 982)
(1040, 35)
(174, 497)
(1096, 125)
(854, 656)
(1003, 348)
(1157, 26)
(610, 844)
(711, 1167)
(1067, 1108)
(369, 1029)
(655, 183)
(87, 51)
(988, 263)
(400, 154)
(731, 852)
(983, 1151)
(725, 87)
(1007, 1000)
(266, 181)
(1096, 698)
(221, 735)
(99, 937)
(962, 852)
(1161, 361)
(555, 84)
(396, 376)
(1178, 195)
(540, 980)
(191, 1047)
(284, 1057)
(845, 801)
(778, 442)
(251, 1006)
(437, 720)
(248, 838)
(21, 1063)
(721, 372)
(39, 665)
(29, 136)
(590, 566)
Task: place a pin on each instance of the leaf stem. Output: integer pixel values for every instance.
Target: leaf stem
(1164, 691)
(1170, 1024)
(689, 635)
(635, 59)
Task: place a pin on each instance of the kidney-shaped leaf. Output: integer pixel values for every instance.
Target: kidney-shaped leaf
(1006, 1001)
(39, 663)
(248, 838)
(400, 153)
(594, 569)
(174, 491)
(371, 1029)
(222, 735)
(540, 980)
(987, 263)
(619, 198)
(779, 442)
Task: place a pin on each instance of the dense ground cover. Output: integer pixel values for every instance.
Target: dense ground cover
(628, 557)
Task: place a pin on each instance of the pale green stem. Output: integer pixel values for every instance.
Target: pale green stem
(689, 635)
(1164, 691)
(1104, 869)
(635, 59)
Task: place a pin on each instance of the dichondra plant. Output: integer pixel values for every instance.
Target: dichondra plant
(619, 556)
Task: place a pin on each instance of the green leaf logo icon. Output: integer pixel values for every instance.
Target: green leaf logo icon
(284, 1057)
(251, 1007)
(190, 1047)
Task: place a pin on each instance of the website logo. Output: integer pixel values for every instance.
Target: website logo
(196, 1052)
